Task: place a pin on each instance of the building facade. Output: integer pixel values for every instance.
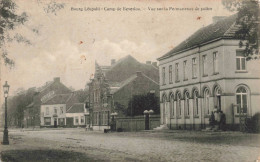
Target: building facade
(32, 112)
(77, 115)
(208, 72)
(113, 86)
(53, 110)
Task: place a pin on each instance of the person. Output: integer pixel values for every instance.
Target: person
(222, 121)
(212, 120)
(22, 127)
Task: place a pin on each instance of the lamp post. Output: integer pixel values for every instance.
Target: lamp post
(5, 138)
(113, 125)
(147, 118)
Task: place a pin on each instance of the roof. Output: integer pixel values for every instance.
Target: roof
(76, 108)
(125, 68)
(30, 105)
(58, 99)
(129, 80)
(224, 28)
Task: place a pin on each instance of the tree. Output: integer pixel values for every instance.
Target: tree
(16, 106)
(9, 20)
(139, 103)
(248, 25)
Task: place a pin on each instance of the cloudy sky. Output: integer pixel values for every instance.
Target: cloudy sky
(69, 36)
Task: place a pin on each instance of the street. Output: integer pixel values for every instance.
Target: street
(139, 146)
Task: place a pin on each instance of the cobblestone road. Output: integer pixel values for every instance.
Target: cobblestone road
(143, 146)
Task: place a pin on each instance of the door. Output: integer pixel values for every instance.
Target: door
(69, 122)
(164, 110)
(165, 114)
(55, 122)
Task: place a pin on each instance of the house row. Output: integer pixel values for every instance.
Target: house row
(63, 111)
(55, 105)
(205, 73)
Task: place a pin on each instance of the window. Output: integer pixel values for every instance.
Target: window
(242, 100)
(178, 104)
(163, 75)
(240, 61)
(177, 72)
(215, 62)
(95, 118)
(172, 104)
(204, 65)
(76, 120)
(47, 121)
(186, 104)
(55, 110)
(61, 110)
(206, 101)
(82, 121)
(47, 111)
(185, 70)
(194, 68)
(196, 102)
(105, 117)
(170, 74)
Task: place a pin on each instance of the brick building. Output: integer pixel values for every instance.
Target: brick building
(113, 86)
(32, 111)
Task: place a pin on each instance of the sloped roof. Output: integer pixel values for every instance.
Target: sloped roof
(129, 80)
(126, 67)
(40, 89)
(58, 99)
(76, 108)
(224, 28)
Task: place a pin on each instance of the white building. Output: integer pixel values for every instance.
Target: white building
(76, 115)
(208, 71)
(53, 110)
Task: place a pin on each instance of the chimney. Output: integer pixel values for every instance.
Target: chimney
(56, 79)
(148, 62)
(113, 61)
(154, 64)
(138, 73)
(217, 18)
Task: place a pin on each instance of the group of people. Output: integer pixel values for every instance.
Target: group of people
(217, 118)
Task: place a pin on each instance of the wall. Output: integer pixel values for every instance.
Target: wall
(136, 123)
(227, 78)
(51, 112)
(140, 85)
(79, 115)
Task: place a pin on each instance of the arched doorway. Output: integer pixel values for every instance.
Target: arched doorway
(206, 102)
(217, 98)
(164, 109)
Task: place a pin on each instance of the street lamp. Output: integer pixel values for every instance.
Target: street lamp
(5, 138)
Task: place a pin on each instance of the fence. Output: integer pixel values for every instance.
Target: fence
(137, 123)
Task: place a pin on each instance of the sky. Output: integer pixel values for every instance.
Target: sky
(69, 41)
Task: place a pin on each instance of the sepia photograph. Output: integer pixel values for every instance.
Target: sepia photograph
(129, 80)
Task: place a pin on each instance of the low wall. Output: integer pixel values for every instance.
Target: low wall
(137, 123)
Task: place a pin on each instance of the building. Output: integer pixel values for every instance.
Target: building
(113, 86)
(53, 110)
(42, 94)
(76, 115)
(206, 72)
